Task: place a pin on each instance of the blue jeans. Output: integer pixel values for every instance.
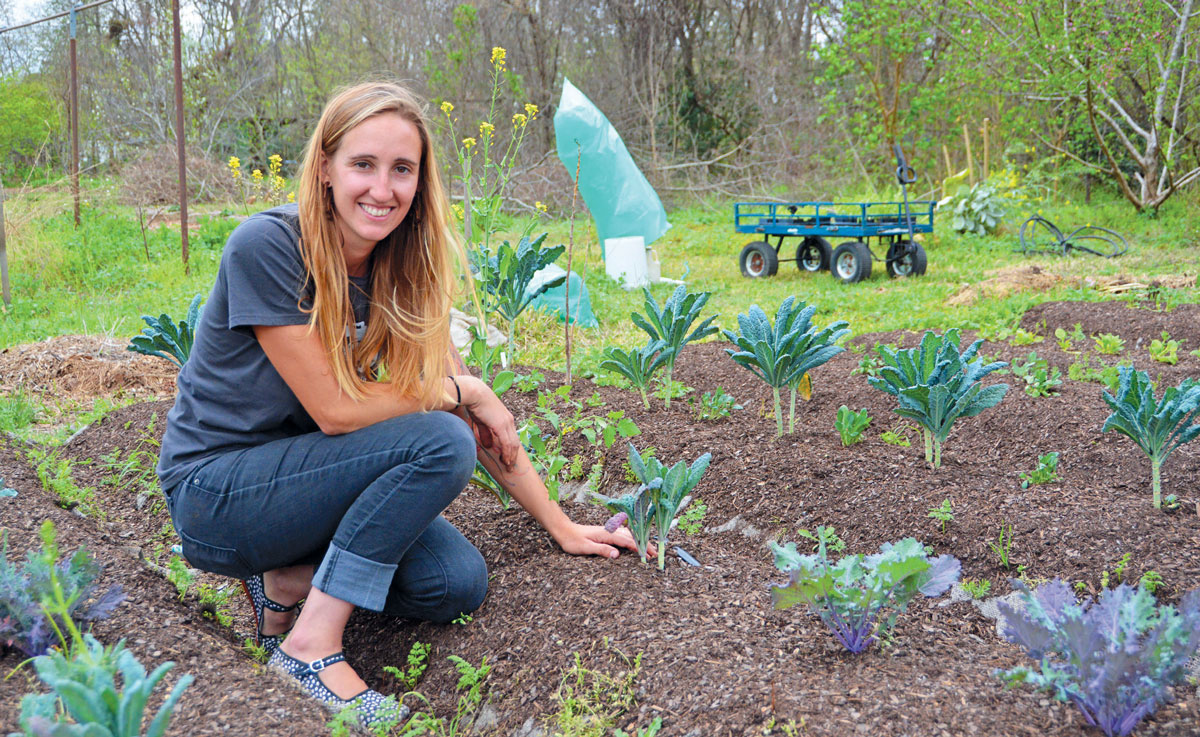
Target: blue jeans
(363, 507)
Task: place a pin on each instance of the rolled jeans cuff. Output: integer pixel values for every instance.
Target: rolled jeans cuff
(352, 578)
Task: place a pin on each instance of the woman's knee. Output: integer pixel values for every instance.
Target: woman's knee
(466, 589)
(449, 445)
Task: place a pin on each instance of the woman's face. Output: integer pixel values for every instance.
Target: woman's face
(374, 175)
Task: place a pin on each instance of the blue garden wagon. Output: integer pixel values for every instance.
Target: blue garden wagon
(816, 223)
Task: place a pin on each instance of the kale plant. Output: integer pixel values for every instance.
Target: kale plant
(1157, 426)
(671, 324)
(668, 495)
(483, 479)
(164, 338)
(860, 596)
(504, 277)
(85, 683)
(638, 365)
(937, 385)
(24, 623)
(639, 511)
(782, 354)
(1114, 658)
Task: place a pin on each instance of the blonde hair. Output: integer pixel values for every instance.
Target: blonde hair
(416, 268)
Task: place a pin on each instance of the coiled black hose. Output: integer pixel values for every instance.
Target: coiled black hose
(1039, 235)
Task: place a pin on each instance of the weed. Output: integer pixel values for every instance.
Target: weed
(54, 473)
(1039, 378)
(943, 513)
(898, 435)
(977, 588)
(214, 602)
(529, 382)
(18, 411)
(590, 701)
(1151, 581)
(463, 618)
(692, 520)
(1046, 471)
(257, 653)
(470, 688)
(179, 574)
(715, 405)
(418, 661)
(1003, 545)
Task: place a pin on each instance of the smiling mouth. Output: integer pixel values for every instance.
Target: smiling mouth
(374, 211)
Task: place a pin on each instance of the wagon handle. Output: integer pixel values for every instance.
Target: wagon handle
(904, 172)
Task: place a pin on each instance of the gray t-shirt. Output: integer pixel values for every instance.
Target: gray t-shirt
(229, 395)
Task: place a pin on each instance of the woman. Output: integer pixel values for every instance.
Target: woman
(324, 420)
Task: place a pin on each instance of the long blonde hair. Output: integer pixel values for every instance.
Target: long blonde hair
(416, 269)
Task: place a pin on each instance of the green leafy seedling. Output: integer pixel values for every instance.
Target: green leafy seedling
(851, 425)
(672, 324)
(1165, 350)
(639, 365)
(1046, 471)
(943, 513)
(1109, 344)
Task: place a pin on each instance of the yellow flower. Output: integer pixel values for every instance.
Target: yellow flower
(291, 197)
(279, 182)
(541, 206)
(531, 110)
(498, 54)
(486, 128)
(276, 163)
(468, 143)
(447, 107)
(520, 120)
(458, 211)
(257, 175)
(235, 167)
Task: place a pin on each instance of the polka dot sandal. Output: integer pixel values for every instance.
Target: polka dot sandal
(372, 706)
(257, 594)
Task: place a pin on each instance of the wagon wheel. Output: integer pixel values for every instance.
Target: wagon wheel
(852, 262)
(758, 259)
(813, 254)
(904, 262)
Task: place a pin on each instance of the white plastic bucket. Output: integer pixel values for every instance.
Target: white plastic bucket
(625, 261)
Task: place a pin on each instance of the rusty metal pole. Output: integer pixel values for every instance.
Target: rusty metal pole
(4, 291)
(74, 121)
(183, 212)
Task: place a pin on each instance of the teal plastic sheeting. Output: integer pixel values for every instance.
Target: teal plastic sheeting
(554, 299)
(615, 190)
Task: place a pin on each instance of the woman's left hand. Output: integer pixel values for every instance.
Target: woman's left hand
(594, 540)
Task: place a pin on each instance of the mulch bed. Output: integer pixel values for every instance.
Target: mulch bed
(714, 658)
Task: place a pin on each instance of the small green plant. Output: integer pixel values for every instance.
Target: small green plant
(1039, 378)
(667, 489)
(1151, 581)
(256, 652)
(180, 575)
(1118, 572)
(55, 474)
(463, 619)
(214, 602)
(825, 535)
(650, 731)
(1109, 344)
(672, 324)
(715, 405)
(591, 700)
(484, 480)
(529, 382)
(851, 425)
(1195, 353)
(1066, 341)
(1165, 350)
(1081, 370)
(1021, 336)
(385, 718)
(1046, 471)
(1002, 547)
(868, 366)
(692, 520)
(470, 688)
(898, 435)
(943, 513)
(418, 661)
(165, 338)
(504, 278)
(1158, 427)
(977, 587)
(977, 209)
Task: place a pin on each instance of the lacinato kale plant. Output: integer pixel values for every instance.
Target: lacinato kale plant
(164, 338)
(668, 494)
(638, 508)
(672, 322)
(1114, 658)
(782, 354)
(1157, 426)
(638, 365)
(937, 385)
(24, 624)
(860, 596)
(504, 277)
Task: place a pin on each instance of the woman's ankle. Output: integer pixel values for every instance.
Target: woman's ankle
(288, 585)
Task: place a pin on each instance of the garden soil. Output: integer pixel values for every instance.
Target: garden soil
(701, 647)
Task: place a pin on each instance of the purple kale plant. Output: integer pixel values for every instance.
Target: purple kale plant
(24, 624)
(860, 596)
(1114, 658)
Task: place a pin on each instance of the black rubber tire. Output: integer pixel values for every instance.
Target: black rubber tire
(911, 264)
(758, 259)
(813, 254)
(851, 262)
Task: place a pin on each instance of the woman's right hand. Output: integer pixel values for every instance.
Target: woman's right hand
(495, 427)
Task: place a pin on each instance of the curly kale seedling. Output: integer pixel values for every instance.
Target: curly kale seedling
(937, 385)
(671, 324)
(1114, 658)
(860, 596)
(673, 486)
(782, 354)
(164, 338)
(1157, 426)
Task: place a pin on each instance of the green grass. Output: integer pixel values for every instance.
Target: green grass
(97, 279)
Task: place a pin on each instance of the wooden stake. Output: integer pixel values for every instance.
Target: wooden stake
(4, 290)
(986, 157)
(970, 161)
(570, 252)
(179, 136)
(74, 102)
